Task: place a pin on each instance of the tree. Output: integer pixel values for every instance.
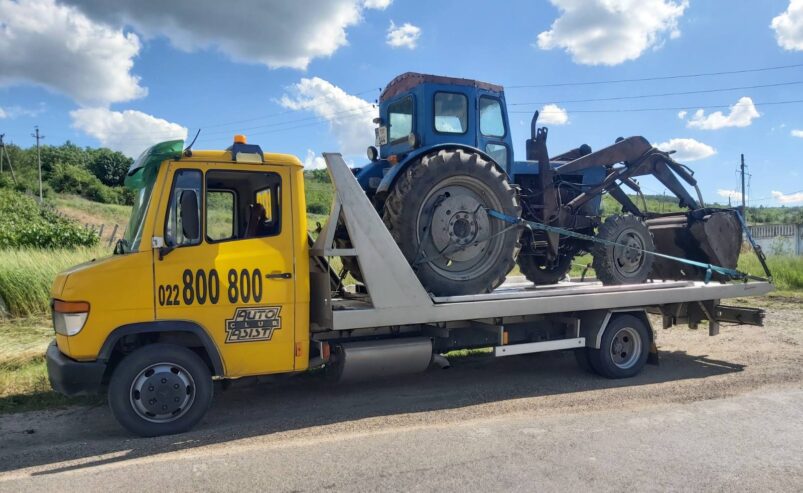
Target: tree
(110, 167)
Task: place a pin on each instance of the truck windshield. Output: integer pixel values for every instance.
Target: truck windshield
(141, 178)
(133, 233)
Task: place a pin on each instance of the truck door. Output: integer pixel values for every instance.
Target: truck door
(493, 136)
(227, 262)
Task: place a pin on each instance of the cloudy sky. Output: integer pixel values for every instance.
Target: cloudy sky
(301, 77)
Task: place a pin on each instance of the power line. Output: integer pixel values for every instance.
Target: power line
(660, 95)
(663, 77)
(663, 108)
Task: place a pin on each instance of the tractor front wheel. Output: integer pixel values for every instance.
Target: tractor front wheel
(437, 212)
(622, 258)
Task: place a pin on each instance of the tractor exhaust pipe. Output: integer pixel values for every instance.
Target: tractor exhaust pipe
(354, 361)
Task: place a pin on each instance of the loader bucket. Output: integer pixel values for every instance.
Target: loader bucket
(711, 236)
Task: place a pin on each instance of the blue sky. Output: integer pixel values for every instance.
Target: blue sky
(299, 77)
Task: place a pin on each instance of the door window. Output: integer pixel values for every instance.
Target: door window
(491, 122)
(184, 217)
(221, 215)
(400, 115)
(242, 205)
(451, 112)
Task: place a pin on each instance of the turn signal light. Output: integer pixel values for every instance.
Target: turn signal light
(69, 317)
(393, 159)
(70, 306)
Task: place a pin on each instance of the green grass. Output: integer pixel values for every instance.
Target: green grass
(787, 271)
(23, 375)
(94, 212)
(26, 276)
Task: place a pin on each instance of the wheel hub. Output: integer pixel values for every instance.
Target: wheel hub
(625, 348)
(458, 222)
(162, 392)
(628, 254)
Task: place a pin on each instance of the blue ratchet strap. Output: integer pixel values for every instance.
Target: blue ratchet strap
(709, 268)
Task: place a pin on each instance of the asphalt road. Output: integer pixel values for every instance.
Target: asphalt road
(722, 413)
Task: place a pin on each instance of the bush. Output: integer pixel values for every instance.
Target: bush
(317, 208)
(24, 223)
(69, 178)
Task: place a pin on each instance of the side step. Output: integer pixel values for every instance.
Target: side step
(539, 347)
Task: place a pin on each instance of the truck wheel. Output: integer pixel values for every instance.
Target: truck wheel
(160, 389)
(536, 272)
(437, 213)
(625, 262)
(624, 348)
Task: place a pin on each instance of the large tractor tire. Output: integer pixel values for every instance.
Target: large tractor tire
(623, 260)
(437, 213)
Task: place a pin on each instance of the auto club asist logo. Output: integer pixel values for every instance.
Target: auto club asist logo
(253, 324)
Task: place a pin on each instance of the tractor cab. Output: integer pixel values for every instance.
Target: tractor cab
(420, 112)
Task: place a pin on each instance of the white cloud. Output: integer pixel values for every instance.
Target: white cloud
(404, 36)
(17, 111)
(610, 32)
(313, 161)
(350, 118)
(731, 194)
(687, 149)
(377, 4)
(129, 131)
(58, 47)
(552, 114)
(797, 133)
(788, 26)
(277, 33)
(741, 115)
(682, 114)
(791, 198)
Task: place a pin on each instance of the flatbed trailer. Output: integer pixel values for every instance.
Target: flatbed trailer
(392, 306)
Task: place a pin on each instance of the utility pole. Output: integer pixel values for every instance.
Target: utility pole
(4, 154)
(743, 199)
(39, 159)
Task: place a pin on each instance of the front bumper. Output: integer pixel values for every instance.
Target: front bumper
(70, 377)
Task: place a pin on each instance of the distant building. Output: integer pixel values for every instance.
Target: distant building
(779, 239)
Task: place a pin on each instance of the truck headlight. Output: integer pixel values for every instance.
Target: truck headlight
(69, 317)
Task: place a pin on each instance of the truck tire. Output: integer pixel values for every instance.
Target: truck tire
(160, 389)
(618, 264)
(437, 214)
(624, 347)
(536, 272)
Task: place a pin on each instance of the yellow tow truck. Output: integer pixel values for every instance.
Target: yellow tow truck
(218, 278)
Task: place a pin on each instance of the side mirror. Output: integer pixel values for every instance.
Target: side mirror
(190, 222)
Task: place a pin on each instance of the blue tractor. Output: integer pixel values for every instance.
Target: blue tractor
(443, 161)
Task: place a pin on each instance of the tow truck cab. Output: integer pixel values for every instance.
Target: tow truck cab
(215, 229)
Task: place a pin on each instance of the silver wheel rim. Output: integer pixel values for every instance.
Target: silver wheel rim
(628, 254)
(455, 233)
(162, 392)
(625, 348)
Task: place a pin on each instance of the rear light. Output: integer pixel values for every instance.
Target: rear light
(69, 317)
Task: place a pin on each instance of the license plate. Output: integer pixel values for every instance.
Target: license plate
(381, 136)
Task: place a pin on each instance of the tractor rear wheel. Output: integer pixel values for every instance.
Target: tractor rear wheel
(622, 260)
(437, 213)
